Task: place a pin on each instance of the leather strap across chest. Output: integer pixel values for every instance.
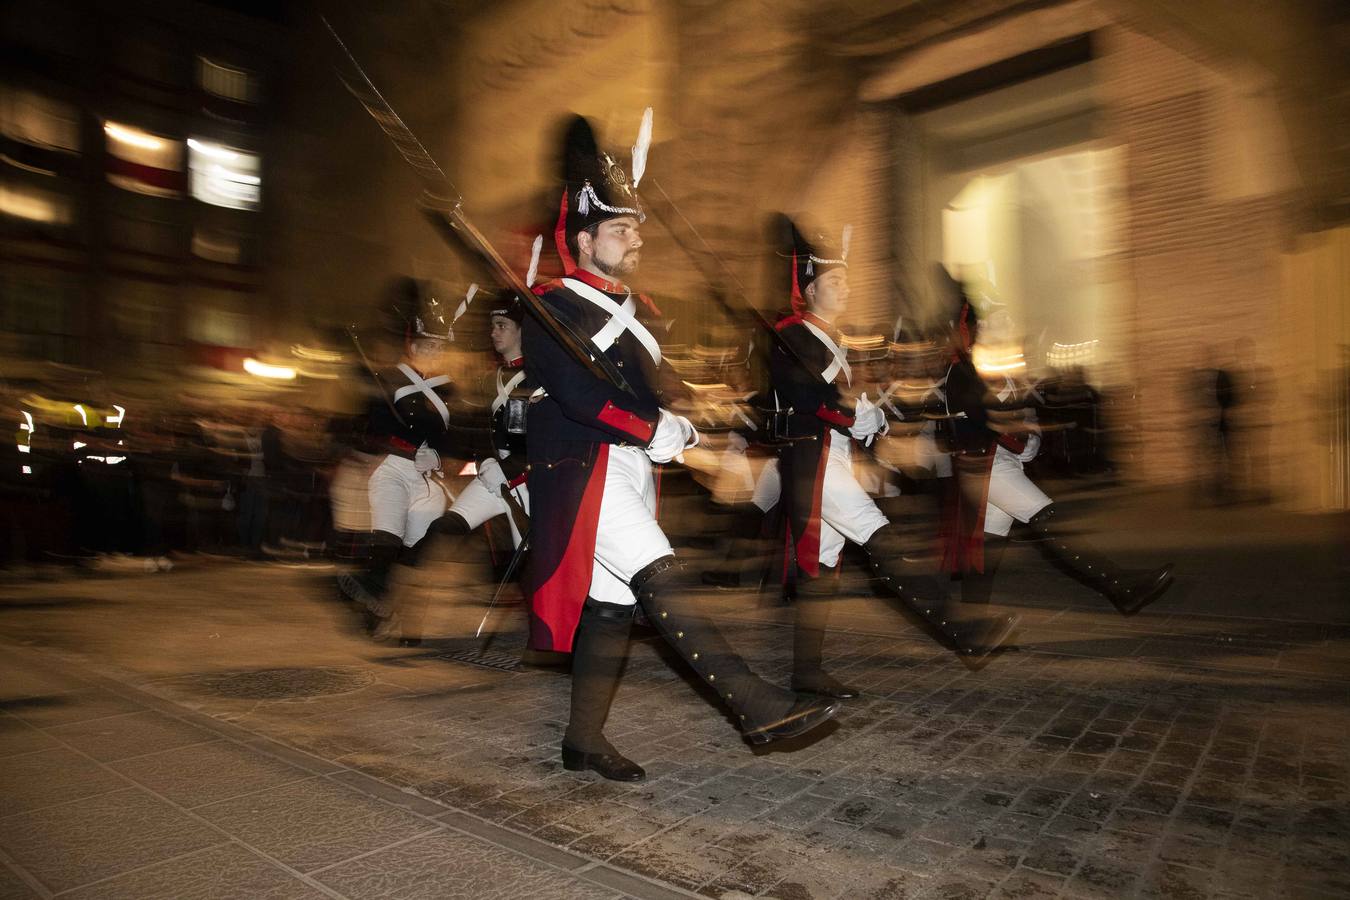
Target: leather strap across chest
(425, 386)
(840, 361)
(504, 388)
(621, 319)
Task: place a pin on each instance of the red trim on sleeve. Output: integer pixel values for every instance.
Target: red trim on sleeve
(834, 417)
(794, 319)
(627, 422)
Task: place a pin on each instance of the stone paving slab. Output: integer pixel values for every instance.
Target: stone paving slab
(1179, 753)
(228, 818)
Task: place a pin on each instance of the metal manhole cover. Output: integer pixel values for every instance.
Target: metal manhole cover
(284, 684)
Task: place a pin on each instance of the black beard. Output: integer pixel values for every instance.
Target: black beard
(616, 269)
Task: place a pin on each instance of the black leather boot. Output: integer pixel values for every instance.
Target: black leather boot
(929, 600)
(598, 653)
(763, 711)
(744, 562)
(1128, 591)
(370, 589)
(978, 587)
(814, 597)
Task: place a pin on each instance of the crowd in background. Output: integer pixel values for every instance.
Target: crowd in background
(279, 482)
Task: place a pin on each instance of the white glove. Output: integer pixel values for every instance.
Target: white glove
(674, 434)
(426, 460)
(868, 419)
(737, 442)
(1031, 449)
(491, 474)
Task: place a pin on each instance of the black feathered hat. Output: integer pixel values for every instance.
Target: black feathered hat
(508, 307)
(595, 186)
(813, 258)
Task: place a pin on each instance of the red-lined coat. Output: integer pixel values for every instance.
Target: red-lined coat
(570, 433)
(796, 383)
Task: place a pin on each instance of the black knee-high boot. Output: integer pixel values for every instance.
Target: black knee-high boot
(929, 600)
(371, 588)
(814, 597)
(598, 654)
(1128, 591)
(978, 587)
(763, 711)
(745, 546)
(406, 624)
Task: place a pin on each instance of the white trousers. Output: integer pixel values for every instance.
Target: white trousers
(482, 499)
(403, 502)
(1012, 495)
(627, 537)
(847, 512)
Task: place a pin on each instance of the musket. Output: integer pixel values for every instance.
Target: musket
(443, 206)
(667, 211)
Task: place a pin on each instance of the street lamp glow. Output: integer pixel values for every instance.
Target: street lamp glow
(133, 136)
(263, 370)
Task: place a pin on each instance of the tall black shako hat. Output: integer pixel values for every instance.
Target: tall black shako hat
(418, 309)
(595, 185)
(813, 258)
(508, 306)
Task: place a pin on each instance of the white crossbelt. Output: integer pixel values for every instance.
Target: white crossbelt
(504, 390)
(621, 319)
(426, 386)
(840, 363)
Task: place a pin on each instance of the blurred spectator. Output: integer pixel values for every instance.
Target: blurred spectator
(1214, 399)
(1249, 434)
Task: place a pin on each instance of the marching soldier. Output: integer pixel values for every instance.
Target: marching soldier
(824, 504)
(993, 438)
(591, 450)
(409, 423)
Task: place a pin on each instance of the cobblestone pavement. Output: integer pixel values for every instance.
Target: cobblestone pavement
(218, 732)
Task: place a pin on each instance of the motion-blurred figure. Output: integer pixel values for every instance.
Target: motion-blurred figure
(994, 437)
(1252, 414)
(824, 504)
(409, 422)
(1214, 400)
(591, 449)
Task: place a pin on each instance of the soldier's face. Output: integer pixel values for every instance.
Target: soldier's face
(828, 294)
(614, 249)
(505, 337)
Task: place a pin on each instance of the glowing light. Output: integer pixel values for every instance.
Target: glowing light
(263, 370)
(35, 206)
(316, 354)
(78, 444)
(215, 151)
(24, 448)
(27, 470)
(84, 417)
(469, 468)
(132, 136)
(991, 361)
(117, 419)
(223, 176)
(1079, 354)
(28, 424)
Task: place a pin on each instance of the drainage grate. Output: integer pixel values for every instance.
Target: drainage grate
(493, 659)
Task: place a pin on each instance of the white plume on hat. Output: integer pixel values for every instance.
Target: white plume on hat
(644, 143)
